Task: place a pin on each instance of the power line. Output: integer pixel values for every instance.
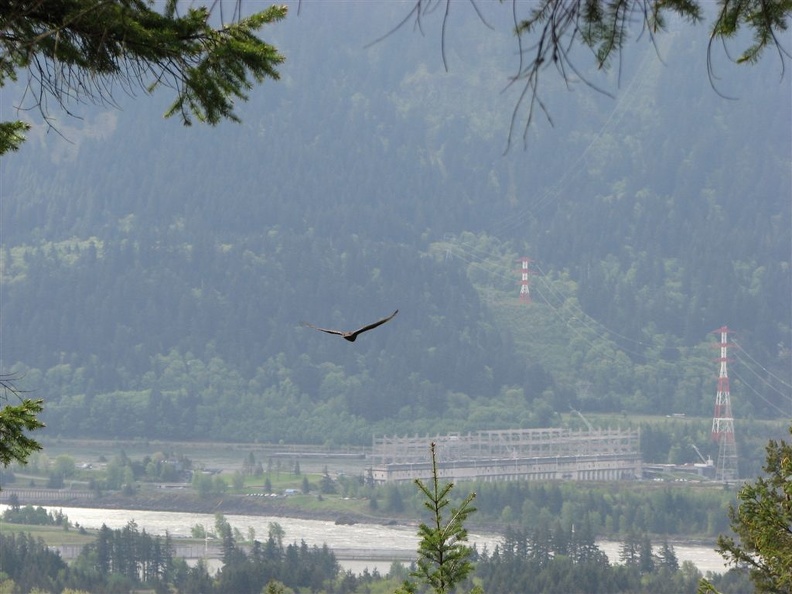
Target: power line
(763, 368)
(755, 391)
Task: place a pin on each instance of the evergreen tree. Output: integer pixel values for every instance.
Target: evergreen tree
(668, 557)
(75, 49)
(15, 421)
(762, 522)
(630, 550)
(443, 558)
(645, 557)
(327, 484)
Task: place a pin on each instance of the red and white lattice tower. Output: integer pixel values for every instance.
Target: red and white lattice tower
(722, 420)
(525, 279)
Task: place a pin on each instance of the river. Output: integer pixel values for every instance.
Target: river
(354, 544)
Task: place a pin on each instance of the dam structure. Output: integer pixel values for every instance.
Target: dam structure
(511, 455)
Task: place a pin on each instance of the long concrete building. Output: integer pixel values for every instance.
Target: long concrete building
(511, 455)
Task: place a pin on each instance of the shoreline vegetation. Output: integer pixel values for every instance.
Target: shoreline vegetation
(281, 508)
(276, 508)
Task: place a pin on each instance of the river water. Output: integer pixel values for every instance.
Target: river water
(396, 542)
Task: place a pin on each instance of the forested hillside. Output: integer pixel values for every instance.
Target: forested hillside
(154, 277)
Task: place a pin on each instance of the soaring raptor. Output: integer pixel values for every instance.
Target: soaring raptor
(351, 336)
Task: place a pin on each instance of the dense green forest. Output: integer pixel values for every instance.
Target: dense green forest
(153, 278)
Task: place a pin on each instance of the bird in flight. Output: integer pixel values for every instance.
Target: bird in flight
(351, 336)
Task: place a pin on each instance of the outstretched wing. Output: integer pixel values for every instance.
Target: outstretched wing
(338, 332)
(375, 324)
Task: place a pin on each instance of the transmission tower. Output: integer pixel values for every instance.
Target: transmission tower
(525, 279)
(722, 420)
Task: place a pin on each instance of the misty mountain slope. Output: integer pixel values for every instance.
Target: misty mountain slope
(154, 277)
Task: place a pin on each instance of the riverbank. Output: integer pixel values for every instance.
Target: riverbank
(303, 507)
(299, 506)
